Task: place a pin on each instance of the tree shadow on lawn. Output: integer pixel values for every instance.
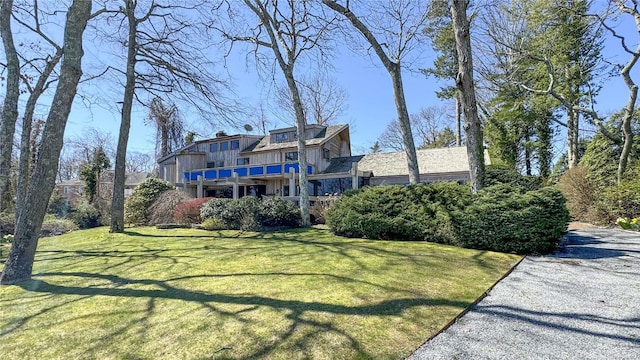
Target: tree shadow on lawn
(296, 310)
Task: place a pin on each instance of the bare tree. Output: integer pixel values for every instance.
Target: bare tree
(322, 98)
(30, 216)
(10, 105)
(169, 126)
(160, 63)
(466, 89)
(289, 29)
(398, 26)
(431, 130)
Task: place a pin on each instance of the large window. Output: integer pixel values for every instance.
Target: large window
(215, 164)
(243, 161)
(291, 156)
(224, 146)
(213, 147)
(235, 144)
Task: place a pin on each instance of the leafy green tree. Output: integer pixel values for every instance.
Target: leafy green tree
(91, 173)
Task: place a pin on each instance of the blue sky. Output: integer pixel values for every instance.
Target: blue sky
(370, 103)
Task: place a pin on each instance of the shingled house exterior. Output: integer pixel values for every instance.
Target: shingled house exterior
(244, 164)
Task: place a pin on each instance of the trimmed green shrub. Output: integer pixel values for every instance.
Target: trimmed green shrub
(250, 213)
(213, 208)
(496, 174)
(85, 215)
(501, 218)
(57, 205)
(279, 212)
(135, 208)
(420, 212)
(242, 214)
(188, 212)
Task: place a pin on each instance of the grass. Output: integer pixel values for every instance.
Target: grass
(193, 294)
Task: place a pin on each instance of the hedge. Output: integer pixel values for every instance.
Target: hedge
(502, 217)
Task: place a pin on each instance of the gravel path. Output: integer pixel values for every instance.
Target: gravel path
(582, 302)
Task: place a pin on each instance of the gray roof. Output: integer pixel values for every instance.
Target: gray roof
(135, 178)
(265, 144)
(430, 161)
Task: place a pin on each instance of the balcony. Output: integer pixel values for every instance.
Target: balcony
(256, 171)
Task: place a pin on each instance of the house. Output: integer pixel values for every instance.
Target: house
(244, 164)
(72, 190)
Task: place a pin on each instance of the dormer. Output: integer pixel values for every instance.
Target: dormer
(291, 134)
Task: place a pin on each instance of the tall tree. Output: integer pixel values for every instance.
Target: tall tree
(160, 63)
(430, 130)
(466, 88)
(10, 105)
(289, 29)
(398, 26)
(29, 217)
(445, 65)
(91, 173)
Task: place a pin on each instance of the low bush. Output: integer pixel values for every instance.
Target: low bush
(250, 213)
(53, 226)
(618, 201)
(189, 212)
(497, 174)
(420, 212)
(161, 211)
(213, 208)
(278, 212)
(85, 215)
(7, 223)
(242, 214)
(503, 217)
(135, 209)
(580, 192)
(213, 223)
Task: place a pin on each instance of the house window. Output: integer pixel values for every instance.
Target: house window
(213, 147)
(291, 156)
(220, 163)
(215, 164)
(224, 146)
(67, 190)
(193, 149)
(235, 144)
(326, 154)
(243, 161)
(211, 164)
(282, 137)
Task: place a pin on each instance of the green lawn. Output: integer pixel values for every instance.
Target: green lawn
(193, 294)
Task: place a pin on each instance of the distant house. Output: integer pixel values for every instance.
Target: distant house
(72, 190)
(242, 164)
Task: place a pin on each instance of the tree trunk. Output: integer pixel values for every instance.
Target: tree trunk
(629, 110)
(395, 72)
(10, 106)
(458, 121)
(302, 147)
(117, 202)
(30, 216)
(466, 91)
(26, 148)
(405, 124)
(572, 138)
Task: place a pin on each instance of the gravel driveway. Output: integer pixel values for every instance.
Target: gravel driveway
(582, 302)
